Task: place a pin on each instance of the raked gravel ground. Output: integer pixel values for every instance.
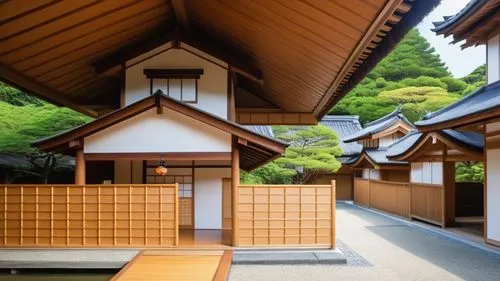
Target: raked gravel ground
(381, 248)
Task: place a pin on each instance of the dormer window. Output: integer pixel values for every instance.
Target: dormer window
(180, 84)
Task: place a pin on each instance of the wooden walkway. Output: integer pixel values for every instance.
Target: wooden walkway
(177, 265)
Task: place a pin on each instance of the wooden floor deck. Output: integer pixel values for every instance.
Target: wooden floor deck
(177, 265)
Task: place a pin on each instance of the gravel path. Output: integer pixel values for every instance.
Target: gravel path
(380, 248)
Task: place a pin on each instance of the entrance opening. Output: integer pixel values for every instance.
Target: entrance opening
(204, 237)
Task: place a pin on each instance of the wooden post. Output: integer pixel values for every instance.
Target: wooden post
(79, 167)
(235, 178)
(333, 219)
(449, 193)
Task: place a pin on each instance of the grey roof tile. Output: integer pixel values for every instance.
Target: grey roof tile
(344, 125)
(483, 99)
(378, 125)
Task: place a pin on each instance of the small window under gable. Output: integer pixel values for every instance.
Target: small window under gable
(179, 84)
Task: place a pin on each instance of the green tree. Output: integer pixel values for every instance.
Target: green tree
(311, 153)
(469, 172)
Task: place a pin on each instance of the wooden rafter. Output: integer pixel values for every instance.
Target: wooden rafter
(181, 13)
(237, 61)
(14, 78)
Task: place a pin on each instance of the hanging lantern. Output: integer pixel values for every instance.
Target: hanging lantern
(161, 170)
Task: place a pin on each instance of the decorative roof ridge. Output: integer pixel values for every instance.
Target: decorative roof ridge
(394, 113)
(448, 21)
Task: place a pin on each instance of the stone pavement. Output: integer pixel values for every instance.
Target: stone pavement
(381, 248)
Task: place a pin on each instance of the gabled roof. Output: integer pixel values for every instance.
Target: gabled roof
(467, 142)
(473, 23)
(482, 104)
(259, 149)
(309, 54)
(377, 158)
(344, 125)
(380, 125)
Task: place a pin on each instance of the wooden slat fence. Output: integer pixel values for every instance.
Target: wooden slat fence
(391, 197)
(287, 215)
(89, 215)
(362, 192)
(427, 202)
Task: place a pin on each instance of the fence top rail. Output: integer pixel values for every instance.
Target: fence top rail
(89, 185)
(286, 185)
(407, 184)
(361, 179)
(427, 184)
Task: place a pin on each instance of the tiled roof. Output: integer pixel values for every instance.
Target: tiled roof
(378, 125)
(471, 139)
(266, 131)
(450, 20)
(344, 125)
(483, 99)
(379, 156)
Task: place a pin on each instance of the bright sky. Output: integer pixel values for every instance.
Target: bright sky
(459, 62)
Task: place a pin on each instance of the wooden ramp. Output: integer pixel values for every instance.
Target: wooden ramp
(177, 265)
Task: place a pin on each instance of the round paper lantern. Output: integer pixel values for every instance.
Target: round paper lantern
(161, 170)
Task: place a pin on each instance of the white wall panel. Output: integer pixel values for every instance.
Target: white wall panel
(212, 85)
(416, 172)
(493, 55)
(208, 197)
(150, 132)
(437, 173)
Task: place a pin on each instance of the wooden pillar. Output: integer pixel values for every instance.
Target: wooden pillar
(79, 167)
(449, 193)
(333, 216)
(235, 182)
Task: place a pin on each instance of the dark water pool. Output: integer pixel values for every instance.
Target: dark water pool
(71, 275)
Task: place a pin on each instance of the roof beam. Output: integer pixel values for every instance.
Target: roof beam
(181, 13)
(30, 86)
(238, 61)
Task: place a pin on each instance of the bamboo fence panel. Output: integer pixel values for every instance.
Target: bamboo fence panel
(286, 215)
(427, 202)
(391, 197)
(362, 192)
(88, 215)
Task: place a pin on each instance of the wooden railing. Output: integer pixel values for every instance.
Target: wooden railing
(286, 215)
(362, 192)
(391, 197)
(89, 215)
(427, 202)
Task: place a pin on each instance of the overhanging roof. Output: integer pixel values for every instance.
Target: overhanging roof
(344, 125)
(479, 106)
(395, 118)
(474, 23)
(468, 143)
(257, 148)
(377, 158)
(280, 50)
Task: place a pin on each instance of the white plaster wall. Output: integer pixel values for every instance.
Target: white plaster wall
(374, 174)
(208, 197)
(150, 132)
(427, 172)
(366, 173)
(127, 171)
(493, 55)
(385, 141)
(493, 189)
(212, 85)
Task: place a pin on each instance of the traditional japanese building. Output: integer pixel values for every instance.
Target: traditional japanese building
(477, 24)
(172, 85)
(342, 125)
(377, 174)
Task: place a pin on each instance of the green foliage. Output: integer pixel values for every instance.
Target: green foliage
(418, 101)
(311, 153)
(478, 75)
(24, 118)
(411, 75)
(412, 58)
(15, 97)
(469, 172)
